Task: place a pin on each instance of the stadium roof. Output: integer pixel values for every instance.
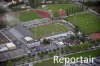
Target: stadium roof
(3, 38)
(36, 21)
(24, 31)
(20, 31)
(43, 20)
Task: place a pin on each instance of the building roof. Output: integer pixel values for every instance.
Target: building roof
(95, 36)
(3, 38)
(3, 49)
(24, 31)
(12, 54)
(61, 43)
(20, 31)
(28, 38)
(10, 45)
(35, 22)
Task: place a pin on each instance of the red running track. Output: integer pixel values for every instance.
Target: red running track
(43, 14)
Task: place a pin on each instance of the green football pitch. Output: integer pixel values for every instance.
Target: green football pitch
(55, 7)
(88, 22)
(47, 30)
(25, 16)
(68, 8)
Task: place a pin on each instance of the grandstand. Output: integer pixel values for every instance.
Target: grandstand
(35, 22)
(24, 35)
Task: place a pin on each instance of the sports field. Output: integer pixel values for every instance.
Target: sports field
(27, 16)
(87, 22)
(68, 8)
(47, 30)
(93, 53)
(56, 7)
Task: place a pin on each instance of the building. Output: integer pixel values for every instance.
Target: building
(6, 43)
(95, 36)
(8, 49)
(31, 42)
(24, 35)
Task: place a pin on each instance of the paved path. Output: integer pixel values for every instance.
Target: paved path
(79, 13)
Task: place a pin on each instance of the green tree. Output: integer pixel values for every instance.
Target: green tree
(46, 41)
(41, 54)
(72, 37)
(9, 63)
(2, 24)
(34, 3)
(2, 11)
(75, 48)
(82, 37)
(51, 54)
(76, 29)
(53, 1)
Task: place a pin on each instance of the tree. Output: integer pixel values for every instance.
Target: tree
(33, 3)
(75, 47)
(76, 29)
(66, 49)
(46, 52)
(9, 63)
(2, 11)
(51, 54)
(53, 1)
(72, 37)
(46, 41)
(62, 51)
(85, 45)
(2, 24)
(96, 42)
(41, 54)
(82, 37)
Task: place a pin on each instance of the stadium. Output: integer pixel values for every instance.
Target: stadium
(45, 27)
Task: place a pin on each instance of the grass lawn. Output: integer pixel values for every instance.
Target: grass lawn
(28, 16)
(46, 30)
(56, 7)
(87, 22)
(93, 53)
(66, 7)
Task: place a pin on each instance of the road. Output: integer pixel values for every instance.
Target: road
(32, 63)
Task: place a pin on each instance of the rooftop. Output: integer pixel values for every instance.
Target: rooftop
(3, 39)
(12, 54)
(95, 36)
